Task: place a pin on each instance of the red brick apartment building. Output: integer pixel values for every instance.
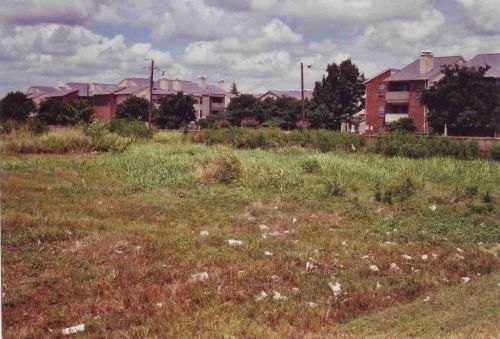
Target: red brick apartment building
(394, 94)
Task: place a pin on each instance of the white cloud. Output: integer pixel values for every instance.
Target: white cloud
(484, 13)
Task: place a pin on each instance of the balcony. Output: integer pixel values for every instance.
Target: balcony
(390, 117)
(397, 96)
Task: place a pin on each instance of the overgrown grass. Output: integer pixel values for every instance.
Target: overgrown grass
(112, 241)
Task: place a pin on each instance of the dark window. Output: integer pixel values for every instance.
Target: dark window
(399, 87)
(217, 100)
(381, 111)
(100, 100)
(397, 109)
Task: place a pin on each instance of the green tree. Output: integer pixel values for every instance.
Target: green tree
(133, 108)
(175, 111)
(464, 100)
(283, 112)
(52, 112)
(402, 125)
(244, 106)
(338, 96)
(16, 106)
(234, 89)
(78, 111)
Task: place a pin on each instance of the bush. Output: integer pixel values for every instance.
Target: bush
(224, 169)
(397, 192)
(250, 123)
(495, 151)
(311, 166)
(334, 187)
(133, 129)
(16, 106)
(402, 125)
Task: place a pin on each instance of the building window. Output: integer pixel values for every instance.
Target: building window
(397, 109)
(381, 90)
(381, 111)
(399, 87)
(217, 100)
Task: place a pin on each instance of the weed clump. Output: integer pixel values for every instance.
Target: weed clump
(311, 166)
(334, 187)
(225, 169)
(397, 192)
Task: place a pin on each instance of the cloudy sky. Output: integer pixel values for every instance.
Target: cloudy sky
(258, 43)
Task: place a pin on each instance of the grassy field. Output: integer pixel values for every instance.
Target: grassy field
(116, 241)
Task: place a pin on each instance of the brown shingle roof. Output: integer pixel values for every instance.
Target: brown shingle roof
(412, 71)
(492, 60)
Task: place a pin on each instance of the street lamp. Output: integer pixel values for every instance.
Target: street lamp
(302, 87)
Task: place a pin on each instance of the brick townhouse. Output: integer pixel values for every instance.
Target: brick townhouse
(209, 99)
(394, 94)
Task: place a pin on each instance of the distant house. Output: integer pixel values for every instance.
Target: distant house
(297, 94)
(492, 60)
(394, 94)
(209, 99)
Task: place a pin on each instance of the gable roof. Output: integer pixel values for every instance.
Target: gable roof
(82, 87)
(130, 90)
(492, 60)
(393, 70)
(293, 93)
(40, 89)
(61, 93)
(412, 71)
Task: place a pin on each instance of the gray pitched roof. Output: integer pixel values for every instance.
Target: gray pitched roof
(82, 87)
(105, 89)
(294, 93)
(41, 89)
(61, 93)
(131, 90)
(412, 71)
(492, 60)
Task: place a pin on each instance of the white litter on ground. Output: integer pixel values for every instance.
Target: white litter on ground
(311, 266)
(201, 276)
(460, 250)
(427, 299)
(204, 233)
(310, 304)
(251, 218)
(407, 257)
(344, 243)
(433, 207)
(262, 296)
(294, 220)
(336, 288)
(465, 280)
(378, 286)
(368, 256)
(263, 227)
(390, 243)
(277, 296)
(394, 267)
(295, 290)
(275, 278)
(74, 329)
(268, 254)
(234, 242)
(424, 257)
(374, 268)
(118, 252)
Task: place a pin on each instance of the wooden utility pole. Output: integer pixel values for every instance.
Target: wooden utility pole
(151, 93)
(302, 88)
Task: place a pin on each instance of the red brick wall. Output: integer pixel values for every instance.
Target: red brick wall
(105, 108)
(70, 97)
(415, 109)
(374, 101)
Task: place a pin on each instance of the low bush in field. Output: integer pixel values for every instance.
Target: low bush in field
(311, 166)
(133, 129)
(420, 146)
(322, 140)
(495, 151)
(64, 141)
(397, 192)
(225, 168)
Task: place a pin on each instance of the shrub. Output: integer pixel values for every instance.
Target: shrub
(333, 187)
(133, 108)
(36, 126)
(250, 123)
(16, 106)
(495, 151)
(397, 192)
(224, 169)
(133, 129)
(402, 125)
(311, 166)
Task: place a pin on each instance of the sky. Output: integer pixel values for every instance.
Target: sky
(257, 43)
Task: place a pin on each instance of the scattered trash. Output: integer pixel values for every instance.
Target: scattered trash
(368, 256)
(407, 257)
(295, 290)
(204, 233)
(390, 243)
(352, 147)
(264, 235)
(394, 267)
(275, 234)
(263, 227)
(344, 243)
(465, 280)
(379, 210)
(427, 299)
(459, 256)
(433, 207)
(336, 288)
(278, 296)
(310, 304)
(262, 296)
(268, 254)
(100, 202)
(459, 250)
(74, 329)
(202, 276)
(311, 266)
(275, 207)
(374, 268)
(424, 257)
(434, 255)
(118, 252)
(241, 273)
(294, 220)
(275, 278)
(251, 218)
(234, 242)
(378, 285)
(159, 305)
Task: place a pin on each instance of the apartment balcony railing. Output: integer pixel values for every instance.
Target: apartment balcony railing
(397, 96)
(390, 117)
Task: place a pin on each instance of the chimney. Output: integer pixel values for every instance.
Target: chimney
(94, 87)
(221, 84)
(202, 81)
(164, 84)
(176, 84)
(426, 62)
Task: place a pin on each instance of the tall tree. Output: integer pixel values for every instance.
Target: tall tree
(244, 106)
(464, 100)
(175, 111)
(78, 111)
(234, 89)
(338, 96)
(16, 106)
(133, 108)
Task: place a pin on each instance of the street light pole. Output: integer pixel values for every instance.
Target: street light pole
(302, 89)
